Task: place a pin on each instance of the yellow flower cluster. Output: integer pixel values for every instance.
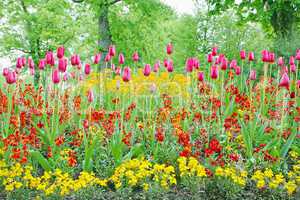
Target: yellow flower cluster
(190, 167)
(237, 176)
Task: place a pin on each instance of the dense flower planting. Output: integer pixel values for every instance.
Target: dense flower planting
(235, 122)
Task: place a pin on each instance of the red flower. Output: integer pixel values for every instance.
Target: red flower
(59, 140)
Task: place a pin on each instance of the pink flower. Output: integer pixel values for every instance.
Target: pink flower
(147, 70)
(50, 58)
(265, 56)
(252, 75)
(233, 64)
(112, 50)
(280, 61)
(210, 58)
(170, 67)
(126, 74)
(196, 63)
(107, 57)
(42, 64)
(60, 52)
(237, 70)
(166, 63)
(55, 76)
(224, 64)
(75, 60)
(169, 49)
(118, 71)
(298, 54)
(30, 63)
(292, 60)
(293, 68)
(87, 69)
(135, 57)
(66, 77)
(271, 57)
(97, 58)
(90, 96)
(62, 64)
(11, 77)
(214, 51)
(156, 66)
(5, 71)
(121, 59)
(214, 73)
(189, 65)
(284, 81)
(19, 63)
(201, 76)
(251, 56)
(243, 54)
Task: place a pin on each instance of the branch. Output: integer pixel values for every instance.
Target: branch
(19, 49)
(77, 1)
(114, 2)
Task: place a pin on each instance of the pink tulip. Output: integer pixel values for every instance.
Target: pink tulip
(214, 73)
(298, 83)
(112, 50)
(32, 71)
(251, 56)
(126, 74)
(170, 67)
(60, 52)
(280, 61)
(284, 81)
(265, 56)
(5, 71)
(62, 64)
(135, 57)
(66, 77)
(252, 75)
(210, 58)
(156, 66)
(11, 77)
(97, 58)
(292, 60)
(50, 58)
(23, 61)
(87, 69)
(42, 64)
(113, 67)
(233, 64)
(107, 57)
(169, 49)
(298, 54)
(189, 65)
(196, 63)
(19, 63)
(75, 60)
(284, 69)
(237, 70)
(214, 51)
(219, 59)
(121, 59)
(271, 57)
(224, 64)
(118, 71)
(90, 96)
(55, 76)
(243, 54)
(200, 76)
(147, 70)
(30, 63)
(166, 63)
(293, 68)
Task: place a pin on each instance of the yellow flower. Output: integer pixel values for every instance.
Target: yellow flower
(268, 173)
(290, 187)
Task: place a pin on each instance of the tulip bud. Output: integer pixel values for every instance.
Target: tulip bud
(135, 57)
(5, 71)
(42, 64)
(219, 59)
(30, 63)
(214, 73)
(166, 63)
(196, 63)
(107, 57)
(97, 58)
(90, 96)
(50, 58)
(19, 64)
(11, 77)
(147, 70)
(284, 81)
(210, 58)
(126, 74)
(214, 51)
(252, 75)
(265, 56)
(243, 54)
(293, 68)
(156, 66)
(251, 56)
(292, 60)
(189, 65)
(280, 61)
(121, 59)
(224, 64)
(169, 49)
(298, 55)
(271, 57)
(237, 70)
(55, 76)
(87, 69)
(118, 71)
(170, 67)
(233, 64)
(201, 76)
(62, 65)
(112, 50)
(60, 52)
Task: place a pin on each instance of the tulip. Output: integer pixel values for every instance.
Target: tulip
(219, 59)
(19, 63)
(50, 58)
(66, 77)
(87, 69)
(298, 55)
(169, 49)
(170, 67)
(60, 52)
(112, 50)
(30, 63)
(214, 51)
(23, 61)
(284, 69)
(121, 59)
(126, 74)
(113, 67)
(5, 71)
(147, 70)
(265, 56)
(74, 60)
(298, 83)
(90, 96)
(42, 64)
(55, 76)
(285, 81)
(233, 64)
(293, 68)
(280, 61)
(11, 77)
(135, 57)
(214, 72)
(118, 71)
(32, 71)
(166, 63)
(80, 77)
(237, 70)
(210, 58)
(251, 56)
(224, 64)
(201, 76)
(271, 57)
(107, 57)
(156, 66)
(196, 63)
(243, 54)
(97, 58)
(86, 124)
(189, 65)
(62, 65)
(292, 60)
(252, 75)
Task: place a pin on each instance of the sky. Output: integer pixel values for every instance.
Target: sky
(181, 6)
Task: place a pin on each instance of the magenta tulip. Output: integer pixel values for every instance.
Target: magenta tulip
(224, 64)
(271, 57)
(42, 64)
(292, 60)
(210, 58)
(66, 77)
(147, 70)
(107, 57)
(233, 64)
(55, 76)
(166, 63)
(156, 66)
(251, 56)
(97, 58)
(265, 56)
(243, 54)
(170, 67)
(121, 59)
(30, 63)
(126, 74)
(60, 52)
(214, 51)
(118, 71)
(201, 76)
(293, 68)
(284, 81)
(196, 63)
(62, 64)
(169, 49)
(135, 57)
(237, 70)
(214, 73)
(280, 61)
(87, 69)
(19, 63)
(50, 58)
(5, 71)
(11, 77)
(252, 75)
(90, 96)
(189, 65)
(298, 54)
(112, 50)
